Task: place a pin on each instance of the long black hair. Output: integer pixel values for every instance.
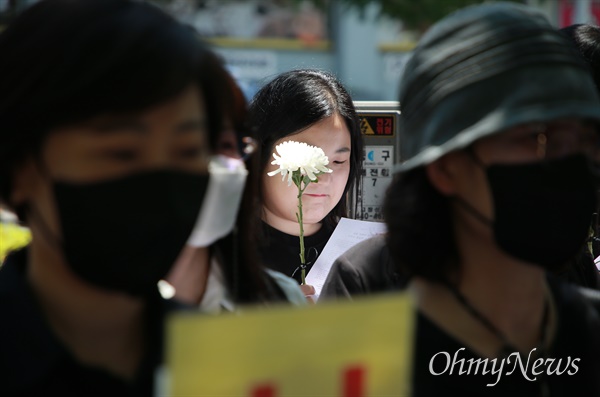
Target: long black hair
(293, 102)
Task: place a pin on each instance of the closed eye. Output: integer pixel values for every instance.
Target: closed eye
(339, 162)
(189, 153)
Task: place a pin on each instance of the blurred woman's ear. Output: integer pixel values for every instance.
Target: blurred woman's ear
(227, 143)
(23, 182)
(441, 175)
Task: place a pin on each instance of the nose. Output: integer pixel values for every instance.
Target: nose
(156, 153)
(324, 178)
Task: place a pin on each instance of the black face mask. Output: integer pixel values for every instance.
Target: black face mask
(542, 210)
(125, 234)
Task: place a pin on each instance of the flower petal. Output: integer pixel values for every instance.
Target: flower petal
(292, 157)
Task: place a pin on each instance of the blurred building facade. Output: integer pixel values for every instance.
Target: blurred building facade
(262, 38)
(365, 50)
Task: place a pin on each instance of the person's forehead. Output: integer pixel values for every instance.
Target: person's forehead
(331, 130)
(546, 126)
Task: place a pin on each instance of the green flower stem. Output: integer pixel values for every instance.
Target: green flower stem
(298, 179)
(300, 222)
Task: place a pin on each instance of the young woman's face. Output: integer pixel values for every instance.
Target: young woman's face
(171, 135)
(280, 200)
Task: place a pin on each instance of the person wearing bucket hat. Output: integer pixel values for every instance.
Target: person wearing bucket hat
(498, 130)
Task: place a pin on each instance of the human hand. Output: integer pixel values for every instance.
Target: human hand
(308, 291)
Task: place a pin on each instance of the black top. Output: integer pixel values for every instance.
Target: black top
(34, 362)
(281, 251)
(581, 270)
(366, 268)
(577, 337)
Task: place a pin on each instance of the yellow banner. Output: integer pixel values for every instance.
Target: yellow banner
(348, 349)
(12, 237)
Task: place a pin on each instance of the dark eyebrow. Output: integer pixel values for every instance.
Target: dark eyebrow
(192, 125)
(344, 149)
(117, 125)
(125, 124)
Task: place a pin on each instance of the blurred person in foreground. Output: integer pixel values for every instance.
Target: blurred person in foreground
(109, 112)
(499, 129)
(219, 268)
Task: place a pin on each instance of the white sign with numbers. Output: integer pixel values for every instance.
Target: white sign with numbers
(377, 175)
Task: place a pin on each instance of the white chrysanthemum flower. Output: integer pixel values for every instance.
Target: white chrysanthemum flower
(299, 156)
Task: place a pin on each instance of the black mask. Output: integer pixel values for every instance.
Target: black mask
(125, 234)
(542, 210)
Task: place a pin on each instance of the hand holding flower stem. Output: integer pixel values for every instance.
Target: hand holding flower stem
(302, 164)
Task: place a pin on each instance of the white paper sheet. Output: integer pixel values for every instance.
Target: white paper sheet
(597, 262)
(348, 233)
